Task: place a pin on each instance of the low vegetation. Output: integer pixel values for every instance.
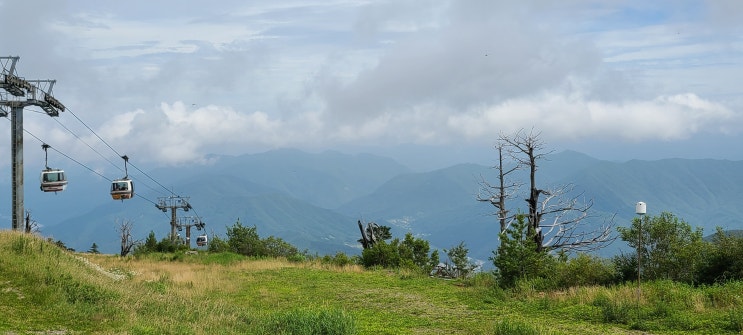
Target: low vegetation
(44, 288)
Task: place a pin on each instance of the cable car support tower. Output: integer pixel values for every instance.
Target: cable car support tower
(173, 203)
(188, 222)
(20, 93)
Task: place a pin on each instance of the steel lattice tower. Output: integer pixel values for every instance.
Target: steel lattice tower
(18, 94)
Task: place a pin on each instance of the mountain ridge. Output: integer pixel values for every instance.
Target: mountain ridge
(313, 200)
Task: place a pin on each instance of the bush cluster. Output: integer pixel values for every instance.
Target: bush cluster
(166, 245)
(246, 241)
(670, 251)
(411, 253)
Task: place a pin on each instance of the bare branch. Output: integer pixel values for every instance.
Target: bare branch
(555, 217)
(497, 195)
(124, 228)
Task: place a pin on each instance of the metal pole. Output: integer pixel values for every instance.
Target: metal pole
(640, 209)
(17, 158)
(639, 261)
(188, 236)
(173, 223)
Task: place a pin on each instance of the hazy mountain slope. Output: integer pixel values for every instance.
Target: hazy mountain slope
(220, 201)
(410, 194)
(440, 206)
(705, 193)
(325, 179)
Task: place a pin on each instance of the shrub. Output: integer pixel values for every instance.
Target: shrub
(735, 320)
(584, 270)
(409, 253)
(277, 247)
(381, 254)
(340, 259)
(217, 244)
(625, 267)
(725, 261)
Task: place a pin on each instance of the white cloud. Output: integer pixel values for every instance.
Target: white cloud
(560, 117)
(169, 84)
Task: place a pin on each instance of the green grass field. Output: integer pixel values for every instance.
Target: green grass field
(45, 290)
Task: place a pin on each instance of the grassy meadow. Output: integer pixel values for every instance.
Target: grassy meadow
(46, 290)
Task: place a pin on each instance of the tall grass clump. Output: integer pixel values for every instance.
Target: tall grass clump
(308, 322)
(518, 327)
(735, 320)
(614, 312)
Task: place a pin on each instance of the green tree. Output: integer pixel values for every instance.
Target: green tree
(218, 244)
(277, 247)
(245, 240)
(416, 250)
(94, 249)
(668, 247)
(584, 270)
(150, 243)
(518, 257)
(458, 255)
(168, 244)
(725, 261)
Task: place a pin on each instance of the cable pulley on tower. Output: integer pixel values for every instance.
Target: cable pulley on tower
(52, 180)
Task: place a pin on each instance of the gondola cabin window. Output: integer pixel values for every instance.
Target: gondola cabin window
(122, 189)
(120, 186)
(53, 176)
(53, 181)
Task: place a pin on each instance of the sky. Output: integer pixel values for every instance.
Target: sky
(430, 83)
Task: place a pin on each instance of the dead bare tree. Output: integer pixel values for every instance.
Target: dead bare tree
(497, 195)
(124, 227)
(557, 218)
(373, 234)
(31, 227)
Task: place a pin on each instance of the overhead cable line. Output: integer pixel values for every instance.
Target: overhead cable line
(104, 157)
(118, 154)
(153, 179)
(86, 143)
(94, 133)
(83, 165)
(108, 160)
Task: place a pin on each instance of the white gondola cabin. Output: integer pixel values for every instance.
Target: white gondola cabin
(53, 180)
(201, 240)
(122, 189)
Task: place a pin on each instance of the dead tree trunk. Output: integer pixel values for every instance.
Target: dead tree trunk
(364, 240)
(125, 232)
(497, 195)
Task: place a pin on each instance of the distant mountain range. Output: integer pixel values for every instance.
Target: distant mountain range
(313, 200)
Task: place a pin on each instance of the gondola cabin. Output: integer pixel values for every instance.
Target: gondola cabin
(201, 240)
(53, 180)
(122, 189)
